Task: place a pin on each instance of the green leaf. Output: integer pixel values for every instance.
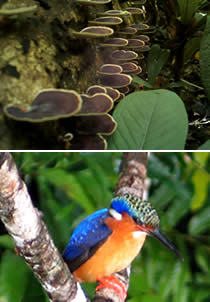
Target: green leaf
(201, 157)
(204, 58)
(202, 258)
(188, 8)
(154, 119)
(156, 59)
(70, 184)
(141, 82)
(200, 179)
(6, 241)
(13, 278)
(191, 47)
(200, 222)
(205, 146)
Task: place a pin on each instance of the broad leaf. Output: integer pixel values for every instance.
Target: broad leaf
(205, 146)
(148, 120)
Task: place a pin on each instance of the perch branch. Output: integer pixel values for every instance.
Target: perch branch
(23, 222)
(131, 181)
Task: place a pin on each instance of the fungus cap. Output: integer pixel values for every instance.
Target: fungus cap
(97, 104)
(49, 104)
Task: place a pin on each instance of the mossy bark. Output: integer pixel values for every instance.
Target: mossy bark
(39, 52)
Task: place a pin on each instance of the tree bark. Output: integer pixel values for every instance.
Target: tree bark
(38, 52)
(32, 240)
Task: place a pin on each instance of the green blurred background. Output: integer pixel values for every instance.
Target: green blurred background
(66, 187)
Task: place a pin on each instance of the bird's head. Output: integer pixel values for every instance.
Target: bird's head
(144, 215)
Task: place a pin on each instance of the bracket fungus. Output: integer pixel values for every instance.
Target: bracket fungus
(129, 67)
(135, 43)
(111, 75)
(99, 124)
(18, 11)
(124, 55)
(95, 89)
(96, 104)
(93, 2)
(86, 117)
(140, 26)
(117, 13)
(143, 38)
(88, 142)
(50, 104)
(114, 42)
(110, 20)
(128, 30)
(110, 69)
(113, 93)
(94, 32)
(134, 10)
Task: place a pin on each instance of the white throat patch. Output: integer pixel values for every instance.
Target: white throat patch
(138, 234)
(115, 214)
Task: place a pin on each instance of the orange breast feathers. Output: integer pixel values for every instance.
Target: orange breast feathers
(117, 252)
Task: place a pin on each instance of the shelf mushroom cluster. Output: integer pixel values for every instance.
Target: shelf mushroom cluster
(89, 114)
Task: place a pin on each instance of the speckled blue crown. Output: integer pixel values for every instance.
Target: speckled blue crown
(141, 210)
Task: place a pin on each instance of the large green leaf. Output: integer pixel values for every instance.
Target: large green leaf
(148, 120)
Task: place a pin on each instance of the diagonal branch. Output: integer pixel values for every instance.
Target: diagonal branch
(32, 240)
(131, 181)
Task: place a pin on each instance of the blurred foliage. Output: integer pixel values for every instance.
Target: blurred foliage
(66, 187)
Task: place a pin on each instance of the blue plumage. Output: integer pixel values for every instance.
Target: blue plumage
(120, 205)
(88, 233)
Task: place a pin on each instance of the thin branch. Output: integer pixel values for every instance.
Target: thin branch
(131, 181)
(23, 222)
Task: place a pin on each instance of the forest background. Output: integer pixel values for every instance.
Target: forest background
(67, 187)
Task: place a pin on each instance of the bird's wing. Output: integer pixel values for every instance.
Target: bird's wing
(86, 239)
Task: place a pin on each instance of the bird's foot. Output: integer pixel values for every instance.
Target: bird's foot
(113, 283)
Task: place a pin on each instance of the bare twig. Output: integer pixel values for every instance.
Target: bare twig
(131, 181)
(31, 237)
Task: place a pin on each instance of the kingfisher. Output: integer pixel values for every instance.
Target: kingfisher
(108, 240)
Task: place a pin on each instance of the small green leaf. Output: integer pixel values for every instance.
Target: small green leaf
(141, 82)
(200, 180)
(156, 59)
(154, 119)
(191, 47)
